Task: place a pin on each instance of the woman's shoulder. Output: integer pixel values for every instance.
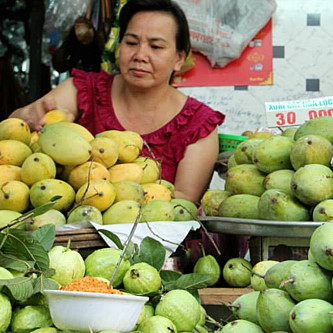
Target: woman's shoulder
(80, 75)
(198, 113)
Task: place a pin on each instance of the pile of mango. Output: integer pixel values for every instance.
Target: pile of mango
(285, 177)
(293, 296)
(101, 178)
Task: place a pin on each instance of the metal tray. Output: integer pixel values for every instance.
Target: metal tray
(248, 227)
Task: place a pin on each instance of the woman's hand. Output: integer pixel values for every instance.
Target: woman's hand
(63, 97)
(33, 114)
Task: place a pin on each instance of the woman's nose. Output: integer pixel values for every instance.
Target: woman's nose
(141, 53)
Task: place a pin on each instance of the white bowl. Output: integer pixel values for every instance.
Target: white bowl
(86, 311)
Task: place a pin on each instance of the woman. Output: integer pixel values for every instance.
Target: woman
(180, 131)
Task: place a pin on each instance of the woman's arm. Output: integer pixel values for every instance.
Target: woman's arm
(63, 97)
(195, 170)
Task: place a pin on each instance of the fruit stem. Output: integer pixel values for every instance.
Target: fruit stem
(285, 282)
(202, 250)
(68, 245)
(211, 320)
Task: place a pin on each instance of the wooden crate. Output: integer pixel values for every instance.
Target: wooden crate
(218, 296)
(83, 238)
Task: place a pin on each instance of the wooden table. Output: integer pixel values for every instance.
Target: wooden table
(218, 296)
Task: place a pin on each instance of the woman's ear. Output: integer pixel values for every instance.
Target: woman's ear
(181, 56)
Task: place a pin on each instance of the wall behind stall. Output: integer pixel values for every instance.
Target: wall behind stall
(302, 68)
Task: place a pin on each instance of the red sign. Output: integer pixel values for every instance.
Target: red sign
(254, 67)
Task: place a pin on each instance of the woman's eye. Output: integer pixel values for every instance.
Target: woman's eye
(156, 47)
(131, 43)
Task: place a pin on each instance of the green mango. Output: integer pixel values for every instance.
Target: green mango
(279, 206)
(308, 280)
(240, 206)
(279, 180)
(244, 307)
(245, 179)
(311, 315)
(322, 126)
(273, 154)
(312, 184)
(311, 149)
(273, 308)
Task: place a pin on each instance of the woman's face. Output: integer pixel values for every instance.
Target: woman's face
(148, 53)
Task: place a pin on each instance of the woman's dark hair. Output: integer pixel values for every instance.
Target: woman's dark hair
(133, 7)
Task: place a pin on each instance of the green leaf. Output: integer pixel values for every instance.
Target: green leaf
(49, 272)
(42, 283)
(21, 288)
(23, 245)
(113, 237)
(152, 252)
(45, 236)
(168, 276)
(193, 281)
(170, 285)
(11, 262)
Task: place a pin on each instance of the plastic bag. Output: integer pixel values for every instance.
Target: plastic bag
(221, 29)
(61, 14)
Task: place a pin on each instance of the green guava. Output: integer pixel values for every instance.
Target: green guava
(5, 312)
(45, 330)
(85, 213)
(102, 262)
(242, 326)
(181, 308)
(30, 317)
(142, 278)
(208, 265)
(146, 312)
(68, 264)
(237, 272)
(158, 324)
(4, 275)
(203, 313)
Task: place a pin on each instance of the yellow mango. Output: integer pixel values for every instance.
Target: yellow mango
(64, 145)
(87, 171)
(99, 193)
(44, 190)
(125, 211)
(154, 191)
(36, 167)
(129, 190)
(14, 195)
(129, 146)
(79, 129)
(150, 167)
(126, 171)
(15, 129)
(13, 152)
(55, 116)
(9, 172)
(104, 151)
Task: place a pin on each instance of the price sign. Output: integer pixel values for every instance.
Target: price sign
(295, 113)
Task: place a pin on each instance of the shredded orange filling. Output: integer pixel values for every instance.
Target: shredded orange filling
(92, 285)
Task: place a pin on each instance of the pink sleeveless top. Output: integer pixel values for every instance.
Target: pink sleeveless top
(168, 144)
